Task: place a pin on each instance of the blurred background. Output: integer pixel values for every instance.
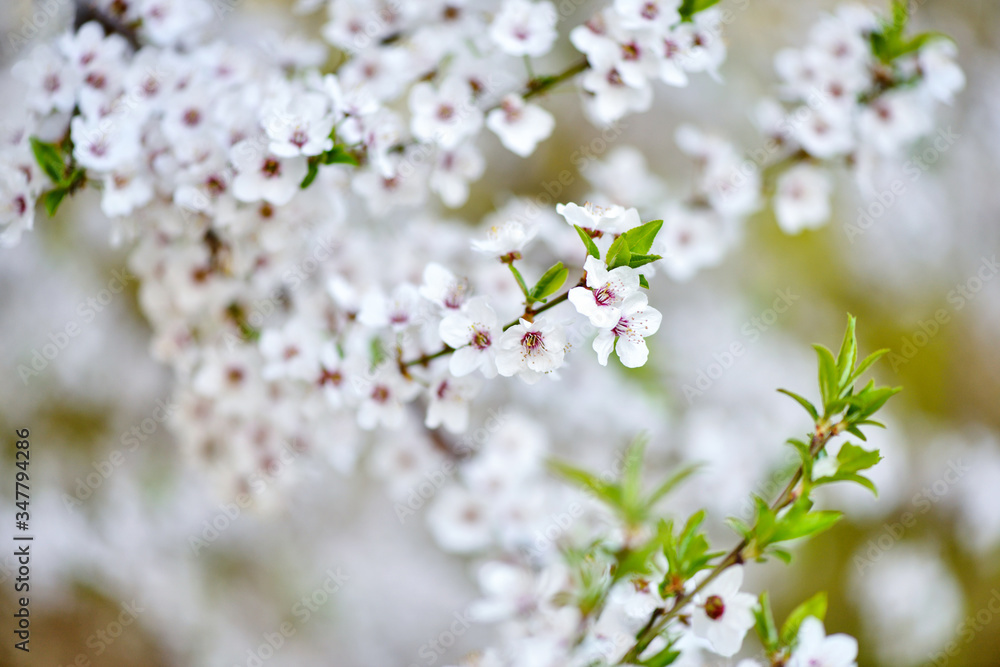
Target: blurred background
(115, 577)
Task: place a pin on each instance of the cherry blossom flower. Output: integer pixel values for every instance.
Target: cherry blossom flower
(802, 198)
(473, 333)
(443, 289)
(723, 614)
(382, 397)
(17, 205)
(297, 123)
(292, 351)
(816, 649)
(530, 349)
(519, 125)
(262, 175)
(627, 337)
(524, 28)
(448, 402)
(51, 85)
(505, 240)
(459, 520)
(445, 115)
(453, 172)
(610, 219)
(601, 300)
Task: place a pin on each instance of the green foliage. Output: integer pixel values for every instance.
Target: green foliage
(339, 154)
(814, 606)
(57, 162)
(837, 377)
(588, 242)
(688, 552)
(549, 283)
(774, 526)
(689, 8)
(889, 43)
(850, 460)
(624, 496)
(767, 631)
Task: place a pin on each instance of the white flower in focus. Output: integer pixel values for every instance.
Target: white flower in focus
(442, 288)
(612, 219)
(459, 520)
(600, 301)
(472, 332)
(723, 614)
(448, 403)
(816, 649)
(628, 336)
(519, 125)
(529, 349)
(445, 115)
(524, 28)
(802, 198)
(264, 176)
(506, 240)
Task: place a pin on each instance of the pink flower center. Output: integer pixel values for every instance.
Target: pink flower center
(299, 138)
(271, 168)
(604, 296)
(621, 328)
(481, 339)
(650, 11)
(380, 394)
(714, 607)
(532, 341)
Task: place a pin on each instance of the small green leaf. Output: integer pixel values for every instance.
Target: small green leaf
(671, 483)
(520, 280)
(640, 239)
(800, 522)
(852, 458)
(643, 282)
(588, 242)
(848, 354)
(52, 199)
(550, 282)
(810, 408)
(619, 253)
(827, 374)
(814, 606)
(764, 623)
(635, 261)
(311, 174)
(50, 159)
(338, 155)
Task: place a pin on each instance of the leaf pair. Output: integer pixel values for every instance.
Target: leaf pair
(58, 166)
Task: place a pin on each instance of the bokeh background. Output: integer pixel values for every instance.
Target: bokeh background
(907, 573)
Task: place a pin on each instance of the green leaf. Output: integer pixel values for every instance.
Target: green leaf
(550, 282)
(609, 493)
(52, 199)
(848, 354)
(619, 253)
(764, 623)
(849, 477)
(814, 606)
(640, 239)
(800, 522)
(635, 261)
(311, 174)
(852, 458)
(866, 364)
(665, 657)
(588, 242)
(50, 159)
(671, 483)
(689, 8)
(810, 408)
(339, 155)
(643, 282)
(805, 454)
(827, 375)
(520, 280)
